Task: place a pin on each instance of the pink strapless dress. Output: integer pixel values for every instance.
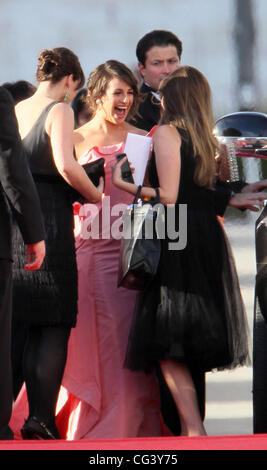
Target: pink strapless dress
(99, 397)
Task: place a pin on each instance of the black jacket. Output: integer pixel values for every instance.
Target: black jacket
(149, 110)
(17, 188)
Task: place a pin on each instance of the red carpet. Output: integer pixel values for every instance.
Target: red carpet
(250, 442)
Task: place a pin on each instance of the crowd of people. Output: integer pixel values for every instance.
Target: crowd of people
(80, 357)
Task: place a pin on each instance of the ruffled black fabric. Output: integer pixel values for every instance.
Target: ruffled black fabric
(48, 296)
(193, 311)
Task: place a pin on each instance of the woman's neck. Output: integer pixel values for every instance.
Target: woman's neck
(99, 132)
(47, 90)
(105, 126)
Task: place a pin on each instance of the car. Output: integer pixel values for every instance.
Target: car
(243, 156)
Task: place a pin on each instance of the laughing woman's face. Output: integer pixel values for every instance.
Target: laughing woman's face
(117, 101)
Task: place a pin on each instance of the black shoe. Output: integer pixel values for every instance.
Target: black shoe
(35, 429)
(6, 434)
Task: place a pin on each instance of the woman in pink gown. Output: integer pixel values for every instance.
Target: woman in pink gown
(99, 397)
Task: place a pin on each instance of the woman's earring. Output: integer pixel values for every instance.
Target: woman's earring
(66, 96)
(98, 101)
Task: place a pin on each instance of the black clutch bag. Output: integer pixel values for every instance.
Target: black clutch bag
(94, 171)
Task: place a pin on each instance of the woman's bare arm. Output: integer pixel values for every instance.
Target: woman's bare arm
(59, 126)
(167, 143)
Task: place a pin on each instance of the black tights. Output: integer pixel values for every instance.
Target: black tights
(44, 363)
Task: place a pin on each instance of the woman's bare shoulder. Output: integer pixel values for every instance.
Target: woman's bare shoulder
(167, 131)
(135, 130)
(82, 132)
(60, 112)
(85, 137)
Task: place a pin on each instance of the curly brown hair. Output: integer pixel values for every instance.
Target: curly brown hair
(54, 64)
(99, 79)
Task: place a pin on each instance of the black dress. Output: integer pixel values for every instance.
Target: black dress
(47, 296)
(193, 310)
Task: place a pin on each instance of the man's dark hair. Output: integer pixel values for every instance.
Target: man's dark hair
(160, 38)
(78, 103)
(20, 90)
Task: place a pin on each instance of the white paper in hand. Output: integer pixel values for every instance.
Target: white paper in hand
(137, 148)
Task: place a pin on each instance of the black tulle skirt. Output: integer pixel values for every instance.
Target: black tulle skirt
(193, 310)
(48, 296)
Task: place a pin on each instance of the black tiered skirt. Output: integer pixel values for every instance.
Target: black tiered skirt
(193, 310)
(48, 296)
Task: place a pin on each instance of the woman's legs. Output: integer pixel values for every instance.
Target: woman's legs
(44, 363)
(181, 386)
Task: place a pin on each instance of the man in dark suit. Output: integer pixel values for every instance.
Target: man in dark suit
(18, 192)
(158, 53)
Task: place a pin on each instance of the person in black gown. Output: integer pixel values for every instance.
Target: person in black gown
(47, 301)
(192, 314)
(159, 53)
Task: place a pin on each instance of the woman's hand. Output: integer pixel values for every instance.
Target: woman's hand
(35, 256)
(116, 173)
(255, 187)
(101, 185)
(117, 178)
(251, 201)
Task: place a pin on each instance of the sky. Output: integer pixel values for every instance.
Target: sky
(98, 30)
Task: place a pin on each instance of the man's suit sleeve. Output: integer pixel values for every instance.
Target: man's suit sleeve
(15, 177)
(223, 193)
(222, 196)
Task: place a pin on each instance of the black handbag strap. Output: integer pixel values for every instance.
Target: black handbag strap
(137, 194)
(156, 199)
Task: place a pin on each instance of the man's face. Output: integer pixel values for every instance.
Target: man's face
(160, 62)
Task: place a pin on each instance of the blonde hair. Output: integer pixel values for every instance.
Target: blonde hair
(187, 106)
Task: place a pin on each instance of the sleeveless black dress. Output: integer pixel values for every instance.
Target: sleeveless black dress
(193, 310)
(47, 296)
